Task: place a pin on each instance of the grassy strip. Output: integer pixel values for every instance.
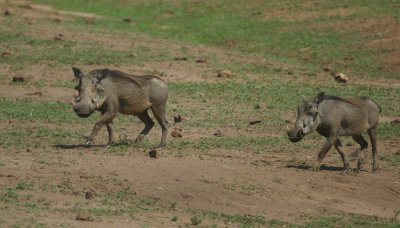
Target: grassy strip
(260, 27)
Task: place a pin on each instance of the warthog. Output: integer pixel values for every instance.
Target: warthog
(332, 117)
(112, 91)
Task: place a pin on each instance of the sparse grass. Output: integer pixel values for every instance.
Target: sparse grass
(36, 137)
(241, 220)
(352, 220)
(9, 195)
(293, 48)
(259, 27)
(55, 112)
(28, 50)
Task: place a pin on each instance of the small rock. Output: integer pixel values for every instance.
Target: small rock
(18, 79)
(89, 195)
(58, 20)
(153, 153)
(340, 77)
(262, 106)
(177, 118)
(177, 132)
(59, 37)
(84, 216)
(224, 74)
(5, 54)
(127, 19)
(28, 150)
(252, 122)
(7, 12)
(218, 133)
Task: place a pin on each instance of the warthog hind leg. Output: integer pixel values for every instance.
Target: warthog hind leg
(363, 147)
(159, 114)
(373, 134)
(148, 125)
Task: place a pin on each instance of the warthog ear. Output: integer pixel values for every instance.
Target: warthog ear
(77, 73)
(319, 98)
(101, 74)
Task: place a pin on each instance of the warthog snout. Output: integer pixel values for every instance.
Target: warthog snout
(84, 109)
(295, 135)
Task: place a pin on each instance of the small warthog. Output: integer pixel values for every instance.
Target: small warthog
(332, 117)
(111, 91)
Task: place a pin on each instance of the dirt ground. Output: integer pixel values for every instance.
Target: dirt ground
(224, 181)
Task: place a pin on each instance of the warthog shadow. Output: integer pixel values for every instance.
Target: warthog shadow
(75, 146)
(309, 167)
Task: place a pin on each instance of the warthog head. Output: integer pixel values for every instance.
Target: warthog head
(91, 92)
(307, 118)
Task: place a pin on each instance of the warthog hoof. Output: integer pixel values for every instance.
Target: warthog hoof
(315, 168)
(88, 143)
(139, 138)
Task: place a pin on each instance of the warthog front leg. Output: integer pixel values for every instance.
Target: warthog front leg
(322, 153)
(373, 134)
(339, 148)
(110, 134)
(106, 118)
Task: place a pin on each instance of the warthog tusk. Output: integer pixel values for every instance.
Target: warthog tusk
(287, 128)
(73, 102)
(99, 103)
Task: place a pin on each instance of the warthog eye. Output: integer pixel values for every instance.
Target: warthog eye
(94, 101)
(304, 125)
(78, 99)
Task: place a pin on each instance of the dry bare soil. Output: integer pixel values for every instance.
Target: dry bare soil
(47, 183)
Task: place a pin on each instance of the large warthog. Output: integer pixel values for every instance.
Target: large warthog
(332, 117)
(112, 92)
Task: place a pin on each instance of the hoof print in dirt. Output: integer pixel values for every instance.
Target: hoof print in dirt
(177, 132)
(218, 133)
(224, 74)
(153, 153)
(84, 216)
(340, 77)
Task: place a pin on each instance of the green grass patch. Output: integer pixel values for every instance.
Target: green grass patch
(241, 220)
(278, 94)
(352, 220)
(260, 27)
(51, 111)
(36, 137)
